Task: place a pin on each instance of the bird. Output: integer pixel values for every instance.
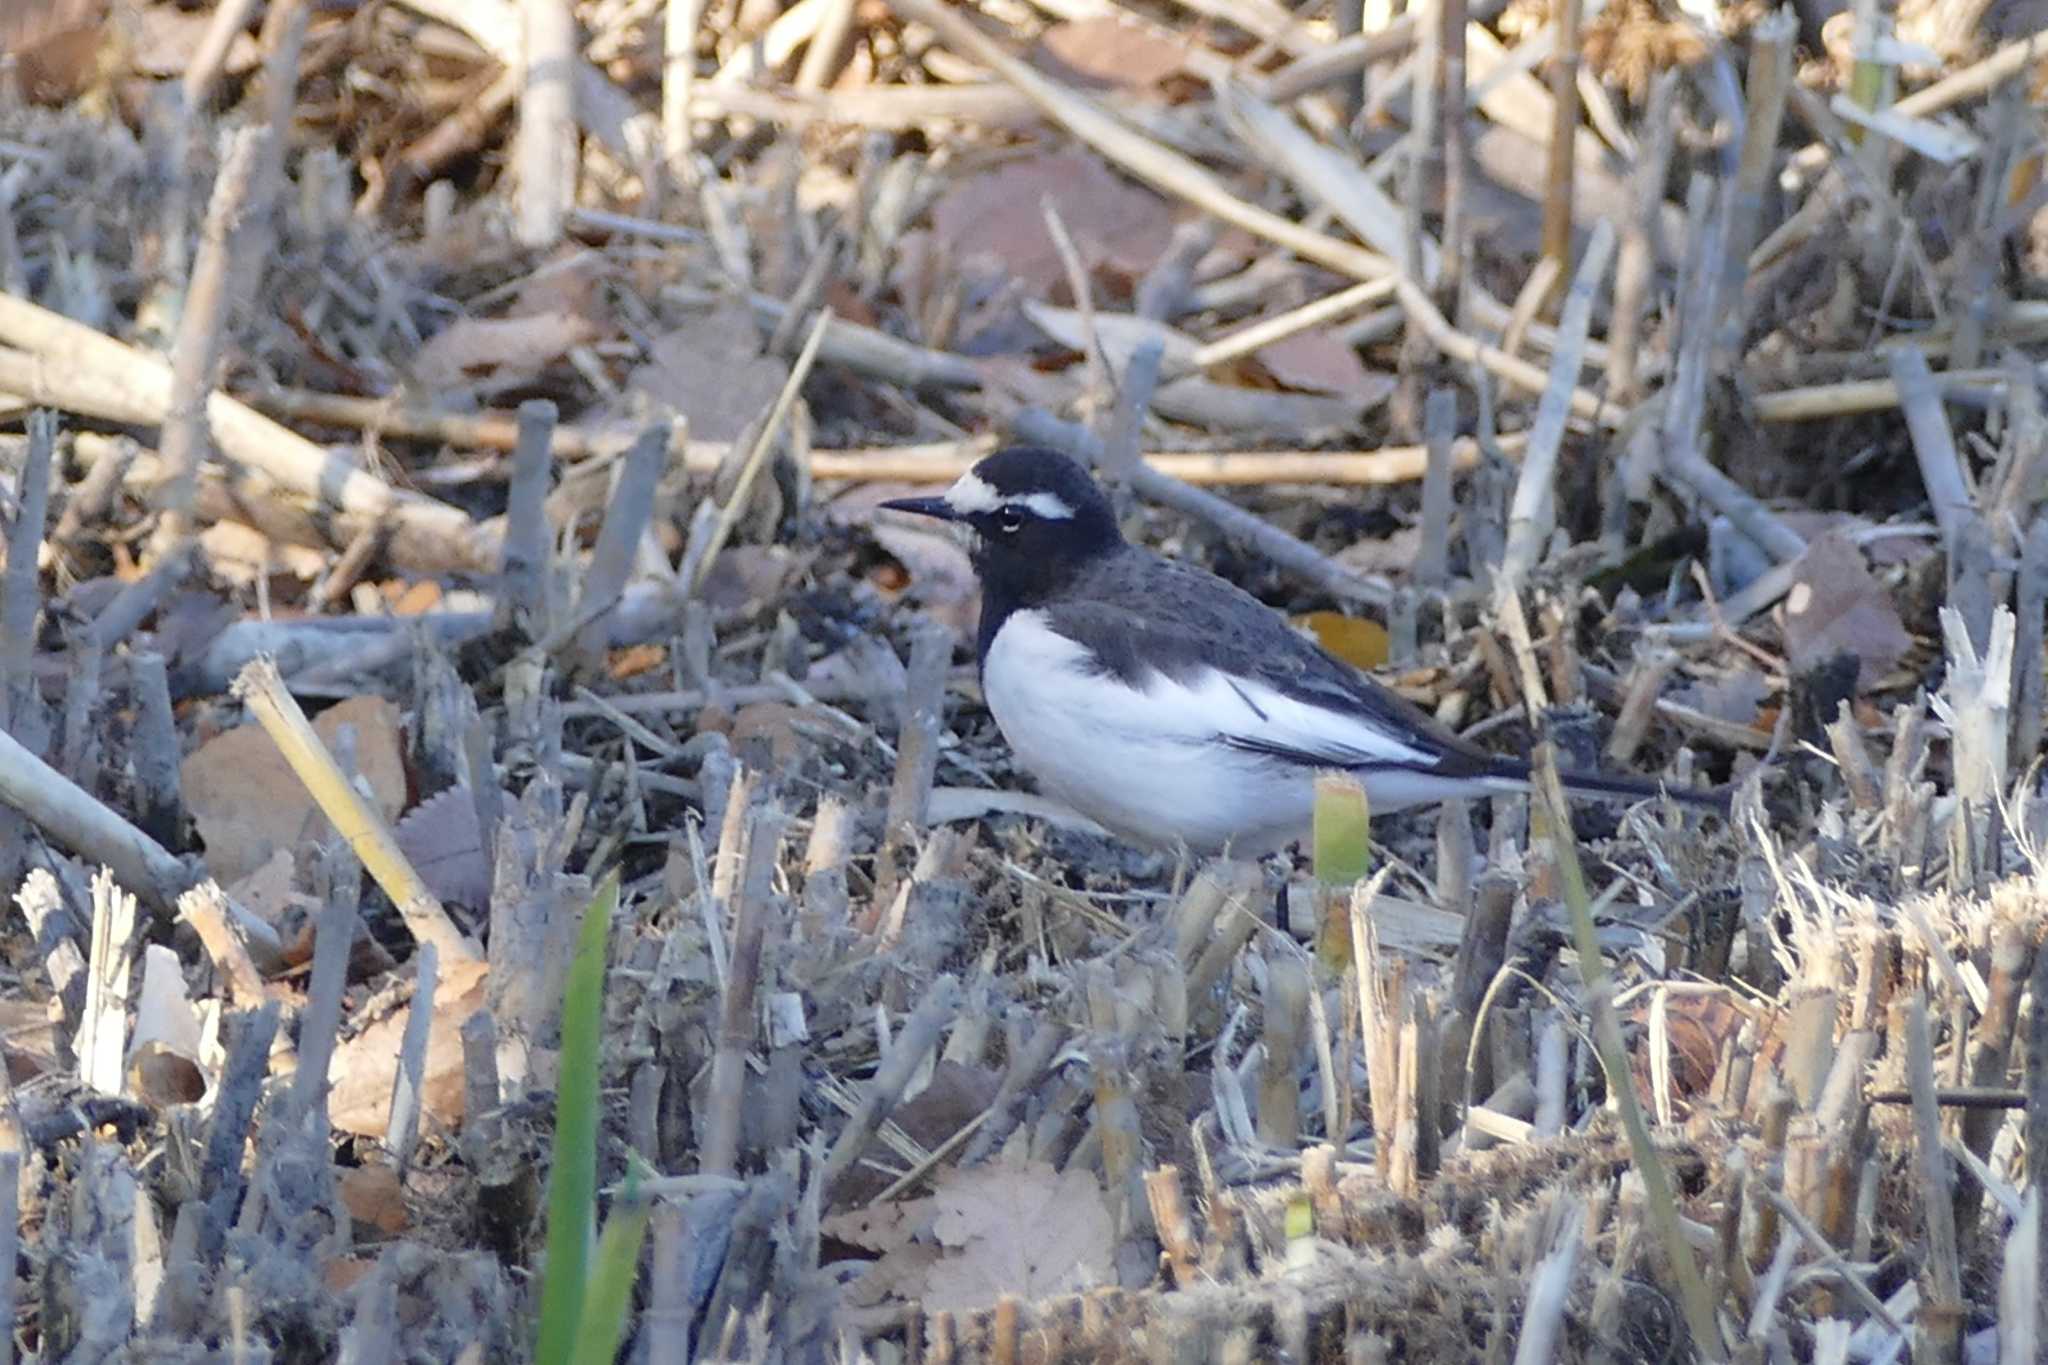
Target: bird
(1168, 705)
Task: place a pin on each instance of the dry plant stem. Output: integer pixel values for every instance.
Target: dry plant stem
(196, 355)
(618, 540)
(918, 1036)
(771, 431)
(283, 40)
(1636, 262)
(680, 20)
(544, 152)
(1183, 1249)
(10, 1228)
(262, 691)
(100, 1042)
(241, 1087)
(1941, 1311)
(1425, 154)
(1992, 1042)
(320, 1022)
(825, 54)
(223, 26)
(1564, 127)
(156, 751)
(1286, 1004)
(1533, 514)
(1639, 704)
(1966, 84)
(1857, 396)
(205, 908)
(527, 549)
(1439, 429)
(1333, 62)
(1859, 774)
(72, 366)
(739, 1018)
(79, 824)
(1934, 444)
(917, 752)
(1252, 336)
(21, 594)
(1127, 418)
(408, 1081)
(2025, 456)
(938, 463)
(1770, 74)
(2030, 677)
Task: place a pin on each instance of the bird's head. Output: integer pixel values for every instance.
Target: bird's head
(1034, 514)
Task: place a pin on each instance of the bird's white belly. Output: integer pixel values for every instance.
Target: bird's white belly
(1149, 771)
(1152, 763)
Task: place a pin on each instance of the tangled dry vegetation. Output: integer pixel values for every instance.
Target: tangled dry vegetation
(524, 422)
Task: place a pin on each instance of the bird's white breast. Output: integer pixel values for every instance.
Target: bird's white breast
(1151, 762)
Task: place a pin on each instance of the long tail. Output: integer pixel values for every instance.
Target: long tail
(1598, 785)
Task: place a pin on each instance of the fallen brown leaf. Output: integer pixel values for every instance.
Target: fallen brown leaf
(1837, 606)
(998, 219)
(364, 1066)
(249, 804)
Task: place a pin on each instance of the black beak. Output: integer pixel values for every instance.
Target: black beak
(924, 507)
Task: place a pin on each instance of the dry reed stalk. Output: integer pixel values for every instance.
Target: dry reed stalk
(196, 355)
(1533, 514)
(1636, 262)
(21, 590)
(83, 370)
(1562, 150)
(617, 552)
(408, 1080)
(752, 914)
(1769, 76)
(1940, 1321)
(544, 150)
(1286, 1005)
(261, 689)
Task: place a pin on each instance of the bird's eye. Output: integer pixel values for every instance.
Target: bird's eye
(1009, 522)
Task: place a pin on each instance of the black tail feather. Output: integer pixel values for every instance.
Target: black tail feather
(1600, 785)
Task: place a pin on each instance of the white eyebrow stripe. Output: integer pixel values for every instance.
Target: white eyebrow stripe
(972, 493)
(1050, 506)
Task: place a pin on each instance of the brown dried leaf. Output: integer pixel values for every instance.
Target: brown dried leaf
(999, 217)
(711, 371)
(55, 45)
(364, 1066)
(249, 804)
(1836, 606)
(1105, 53)
(373, 1197)
(1022, 1229)
(1319, 362)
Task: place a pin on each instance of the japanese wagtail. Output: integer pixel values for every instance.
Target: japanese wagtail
(1168, 705)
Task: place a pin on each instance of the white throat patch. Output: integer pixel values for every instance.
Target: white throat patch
(972, 495)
